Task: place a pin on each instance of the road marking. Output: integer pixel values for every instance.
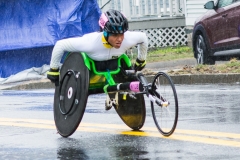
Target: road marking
(206, 137)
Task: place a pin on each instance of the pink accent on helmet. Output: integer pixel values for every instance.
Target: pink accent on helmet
(123, 15)
(102, 20)
(134, 86)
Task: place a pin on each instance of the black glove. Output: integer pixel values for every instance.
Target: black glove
(53, 75)
(139, 65)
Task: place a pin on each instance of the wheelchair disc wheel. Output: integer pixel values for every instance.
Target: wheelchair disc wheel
(71, 95)
(165, 117)
(131, 111)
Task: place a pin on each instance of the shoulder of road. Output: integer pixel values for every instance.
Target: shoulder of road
(155, 67)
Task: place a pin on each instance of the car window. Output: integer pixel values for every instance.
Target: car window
(223, 3)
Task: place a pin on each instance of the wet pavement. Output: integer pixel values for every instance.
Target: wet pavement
(208, 128)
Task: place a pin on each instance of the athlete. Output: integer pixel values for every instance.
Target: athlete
(109, 44)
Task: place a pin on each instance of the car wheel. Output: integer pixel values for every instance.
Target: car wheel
(201, 53)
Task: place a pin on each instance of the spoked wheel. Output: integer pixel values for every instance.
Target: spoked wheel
(201, 52)
(71, 95)
(166, 115)
(200, 49)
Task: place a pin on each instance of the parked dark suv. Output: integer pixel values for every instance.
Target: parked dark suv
(216, 34)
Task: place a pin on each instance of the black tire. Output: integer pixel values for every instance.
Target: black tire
(165, 117)
(71, 95)
(201, 52)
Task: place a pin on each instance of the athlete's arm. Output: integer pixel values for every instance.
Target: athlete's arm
(138, 38)
(78, 44)
(142, 46)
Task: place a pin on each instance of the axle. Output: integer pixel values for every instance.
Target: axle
(134, 86)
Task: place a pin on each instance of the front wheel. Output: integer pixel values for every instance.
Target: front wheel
(165, 116)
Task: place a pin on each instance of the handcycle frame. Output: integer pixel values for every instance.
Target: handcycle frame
(66, 109)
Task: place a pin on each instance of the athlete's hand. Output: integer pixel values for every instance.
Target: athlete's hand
(139, 65)
(53, 75)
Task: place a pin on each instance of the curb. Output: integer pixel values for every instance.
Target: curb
(41, 84)
(30, 86)
(177, 79)
(203, 79)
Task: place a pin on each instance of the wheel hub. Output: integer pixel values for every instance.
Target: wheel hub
(70, 92)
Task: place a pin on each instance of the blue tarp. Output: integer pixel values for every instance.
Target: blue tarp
(29, 29)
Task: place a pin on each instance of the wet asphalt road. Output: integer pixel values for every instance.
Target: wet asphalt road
(208, 128)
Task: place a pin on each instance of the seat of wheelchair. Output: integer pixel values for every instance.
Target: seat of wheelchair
(105, 72)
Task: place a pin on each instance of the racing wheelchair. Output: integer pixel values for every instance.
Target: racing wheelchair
(80, 76)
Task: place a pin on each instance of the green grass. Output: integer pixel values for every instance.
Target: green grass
(233, 66)
(167, 54)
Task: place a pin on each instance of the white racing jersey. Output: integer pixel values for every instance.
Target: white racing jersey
(94, 45)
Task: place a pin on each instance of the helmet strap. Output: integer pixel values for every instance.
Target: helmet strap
(105, 42)
(106, 35)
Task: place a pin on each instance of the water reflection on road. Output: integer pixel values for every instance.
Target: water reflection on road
(209, 104)
(206, 113)
(199, 103)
